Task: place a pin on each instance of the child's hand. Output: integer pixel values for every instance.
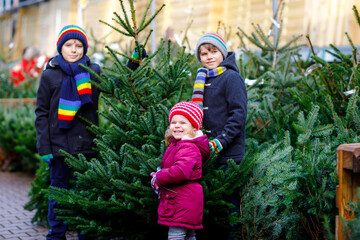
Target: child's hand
(47, 158)
(136, 56)
(154, 184)
(215, 145)
(133, 62)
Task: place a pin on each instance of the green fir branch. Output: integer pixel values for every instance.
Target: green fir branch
(142, 27)
(127, 22)
(114, 28)
(76, 163)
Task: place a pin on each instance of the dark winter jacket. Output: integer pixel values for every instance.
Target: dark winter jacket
(50, 139)
(225, 109)
(181, 196)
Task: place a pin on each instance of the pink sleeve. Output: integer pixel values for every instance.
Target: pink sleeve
(184, 162)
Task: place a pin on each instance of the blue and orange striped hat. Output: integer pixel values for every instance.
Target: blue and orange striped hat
(72, 32)
(213, 38)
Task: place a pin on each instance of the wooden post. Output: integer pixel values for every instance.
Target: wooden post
(348, 171)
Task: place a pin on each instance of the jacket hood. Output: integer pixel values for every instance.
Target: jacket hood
(230, 62)
(202, 143)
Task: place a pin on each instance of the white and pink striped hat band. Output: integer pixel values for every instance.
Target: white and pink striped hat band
(191, 110)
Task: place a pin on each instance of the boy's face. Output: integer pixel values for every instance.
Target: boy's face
(72, 50)
(210, 56)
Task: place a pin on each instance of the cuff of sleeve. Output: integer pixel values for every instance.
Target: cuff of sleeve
(47, 156)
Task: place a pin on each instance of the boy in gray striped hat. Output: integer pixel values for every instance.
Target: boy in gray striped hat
(220, 91)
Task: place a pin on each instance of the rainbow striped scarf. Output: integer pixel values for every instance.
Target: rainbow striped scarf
(75, 91)
(202, 74)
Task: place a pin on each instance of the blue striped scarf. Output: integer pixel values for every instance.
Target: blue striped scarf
(75, 91)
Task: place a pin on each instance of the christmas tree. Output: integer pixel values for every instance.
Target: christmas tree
(300, 109)
(113, 197)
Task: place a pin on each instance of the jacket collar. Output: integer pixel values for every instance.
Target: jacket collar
(199, 133)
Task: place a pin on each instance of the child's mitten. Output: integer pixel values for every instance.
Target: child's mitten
(133, 63)
(47, 158)
(216, 145)
(154, 182)
(143, 54)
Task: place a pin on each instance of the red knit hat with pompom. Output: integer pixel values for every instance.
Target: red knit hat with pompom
(192, 111)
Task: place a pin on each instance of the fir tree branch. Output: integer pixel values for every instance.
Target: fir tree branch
(151, 18)
(356, 13)
(116, 29)
(133, 34)
(124, 24)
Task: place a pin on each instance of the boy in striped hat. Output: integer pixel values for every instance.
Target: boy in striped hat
(65, 92)
(220, 91)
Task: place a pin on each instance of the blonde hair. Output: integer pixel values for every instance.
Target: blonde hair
(168, 136)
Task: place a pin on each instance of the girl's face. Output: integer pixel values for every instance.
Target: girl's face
(181, 126)
(210, 56)
(72, 50)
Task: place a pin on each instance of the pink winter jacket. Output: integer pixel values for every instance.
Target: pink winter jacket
(181, 196)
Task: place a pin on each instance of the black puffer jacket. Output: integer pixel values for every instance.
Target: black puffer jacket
(225, 110)
(50, 139)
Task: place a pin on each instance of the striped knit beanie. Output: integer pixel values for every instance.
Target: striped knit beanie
(192, 111)
(214, 39)
(72, 32)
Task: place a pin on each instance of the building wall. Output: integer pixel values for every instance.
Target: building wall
(325, 21)
(52, 16)
(35, 25)
(96, 30)
(6, 32)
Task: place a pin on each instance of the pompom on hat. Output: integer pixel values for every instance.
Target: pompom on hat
(72, 32)
(192, 111)
(213, 38)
